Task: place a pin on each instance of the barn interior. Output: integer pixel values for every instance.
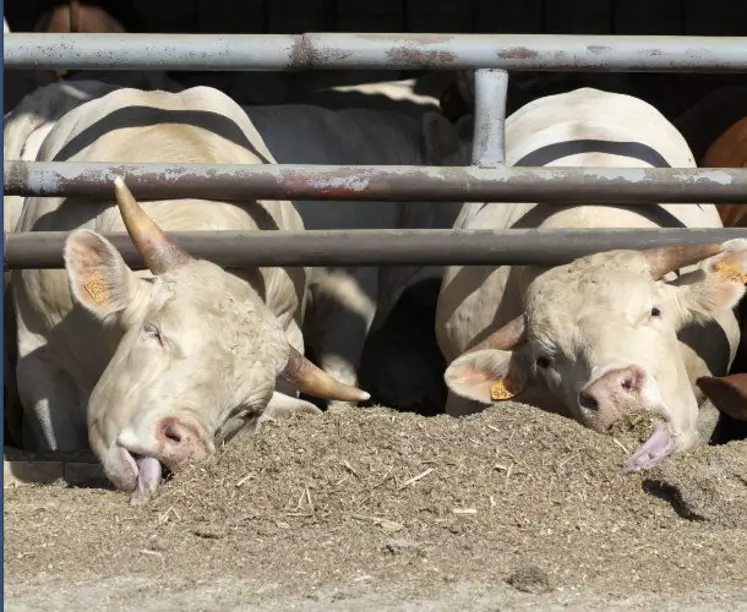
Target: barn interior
(692, 495)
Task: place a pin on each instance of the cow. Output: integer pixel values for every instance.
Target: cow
(26, 127)
(155, 367)
(74, 18)
(609, 334)
(729, 150)
(348, 303)
(729, 393)
(28, 123)
(345, 301)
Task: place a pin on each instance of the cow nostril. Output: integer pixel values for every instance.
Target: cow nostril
(586, 400)
(631, 381)
(172, 434)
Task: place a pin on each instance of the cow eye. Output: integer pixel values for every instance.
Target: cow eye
(655, 312)
(543, 362)
(152, 331)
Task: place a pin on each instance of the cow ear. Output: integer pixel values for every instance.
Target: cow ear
(718, 284)
(99, 278)
(440, 138)
(487, 376)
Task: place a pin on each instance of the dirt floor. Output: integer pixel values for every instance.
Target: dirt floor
(378, 510)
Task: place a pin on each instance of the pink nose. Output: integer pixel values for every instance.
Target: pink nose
(174, 431)
(613, 389)
(180, 440)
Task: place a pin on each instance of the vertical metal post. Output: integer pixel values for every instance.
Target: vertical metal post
(491, 88)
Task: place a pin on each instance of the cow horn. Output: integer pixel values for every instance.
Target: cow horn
(307, 378)
(159, 254)
(663, 260)
(505, 338)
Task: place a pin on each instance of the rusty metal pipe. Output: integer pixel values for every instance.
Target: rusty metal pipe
(488, 144)
(536, 52)
(380, 183)
(376, 247)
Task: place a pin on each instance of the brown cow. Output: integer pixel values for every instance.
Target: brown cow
(729, 393)
(730, 151)
(77, 18)
(69, 17)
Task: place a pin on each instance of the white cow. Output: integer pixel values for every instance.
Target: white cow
(29, 123)
(26, 127)
(598, 338)
(155, 367)
(348, 303)
(345, 301)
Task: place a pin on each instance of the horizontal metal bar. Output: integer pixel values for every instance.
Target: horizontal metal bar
(375, 247)
(550, 52)
(380, 183)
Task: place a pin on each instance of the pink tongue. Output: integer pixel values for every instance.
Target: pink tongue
(148, 479)
(657, 448)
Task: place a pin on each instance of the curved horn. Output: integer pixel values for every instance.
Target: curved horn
(307, 378)
(663, 260)
(504, 338)
(159, 253)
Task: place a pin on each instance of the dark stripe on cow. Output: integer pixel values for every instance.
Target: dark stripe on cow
(634, 150)
(146, 116)
(559, 150)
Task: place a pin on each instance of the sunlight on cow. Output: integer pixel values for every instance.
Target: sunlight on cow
(608, 334)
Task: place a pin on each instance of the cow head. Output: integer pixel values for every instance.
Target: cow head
(600, 334)
(198, 348)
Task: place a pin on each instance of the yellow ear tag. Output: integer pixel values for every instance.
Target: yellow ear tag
(730, 272)
(506, 388)
(95, 288)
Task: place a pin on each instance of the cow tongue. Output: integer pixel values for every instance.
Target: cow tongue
(653, 451)
(148, 479)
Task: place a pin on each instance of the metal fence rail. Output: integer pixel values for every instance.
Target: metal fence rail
(332, 51)
(376, 247)
(559, 185)
(487, 180)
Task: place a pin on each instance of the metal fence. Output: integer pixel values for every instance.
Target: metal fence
(488, 179)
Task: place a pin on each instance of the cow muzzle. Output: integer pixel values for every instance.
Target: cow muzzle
(612, 395)
(137, 466)
(619, 393)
